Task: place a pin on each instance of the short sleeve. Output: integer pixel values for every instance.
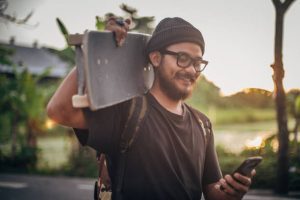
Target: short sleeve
(82, 135)
(212, 172)
(104, 127)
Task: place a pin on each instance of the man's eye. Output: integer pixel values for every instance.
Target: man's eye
(184, 58)
(197, 63)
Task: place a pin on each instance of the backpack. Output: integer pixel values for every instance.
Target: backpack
(102, 189)
(137, 112)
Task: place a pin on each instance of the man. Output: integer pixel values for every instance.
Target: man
(171, 158)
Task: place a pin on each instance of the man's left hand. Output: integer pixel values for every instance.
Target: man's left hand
(235, 186)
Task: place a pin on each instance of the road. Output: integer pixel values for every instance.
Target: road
(31, 187)
(27, 187)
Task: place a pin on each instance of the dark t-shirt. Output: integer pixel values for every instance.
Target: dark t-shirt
(170, 159)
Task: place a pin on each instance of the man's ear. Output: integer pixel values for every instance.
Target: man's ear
(155, 58)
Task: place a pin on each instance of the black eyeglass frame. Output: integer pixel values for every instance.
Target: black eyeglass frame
(192, 60)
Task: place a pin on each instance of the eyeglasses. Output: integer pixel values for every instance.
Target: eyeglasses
(184, 60)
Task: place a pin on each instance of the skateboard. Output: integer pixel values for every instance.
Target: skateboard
(108, 74)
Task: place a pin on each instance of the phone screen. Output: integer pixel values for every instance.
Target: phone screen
(248, 165)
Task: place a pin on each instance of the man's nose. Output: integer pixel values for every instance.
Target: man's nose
(192, 69)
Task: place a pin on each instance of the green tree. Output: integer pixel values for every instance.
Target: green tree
(250, 97)
(23, 101)
(206, 93)
(67, 54)
(5, 54)
(9, 87)
(293, 103)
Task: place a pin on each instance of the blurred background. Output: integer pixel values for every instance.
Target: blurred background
(236, 90)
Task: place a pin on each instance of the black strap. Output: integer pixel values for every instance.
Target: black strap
(137, 113)
(204, 124)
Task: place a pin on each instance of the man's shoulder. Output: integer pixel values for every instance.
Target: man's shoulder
(198, 114)
(115, 113)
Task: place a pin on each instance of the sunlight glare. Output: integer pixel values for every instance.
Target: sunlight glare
(49, 124)
(255, 143)
(275, 145)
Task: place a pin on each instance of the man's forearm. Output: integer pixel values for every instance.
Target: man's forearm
(60, 107)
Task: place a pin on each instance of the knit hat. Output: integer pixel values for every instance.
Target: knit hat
(174, 30)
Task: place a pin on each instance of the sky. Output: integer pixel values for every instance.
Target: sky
(239, 34)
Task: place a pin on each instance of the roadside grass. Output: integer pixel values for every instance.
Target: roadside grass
(267, 125)
(54, 151)
(221, 116)
(243, 115)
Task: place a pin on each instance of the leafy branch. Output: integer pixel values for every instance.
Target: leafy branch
(12, 18)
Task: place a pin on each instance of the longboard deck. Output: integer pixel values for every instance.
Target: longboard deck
(115, 74)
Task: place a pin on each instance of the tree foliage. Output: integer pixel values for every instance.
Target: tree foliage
(11, 18)
(205, 93)
(22, 115)
(5, 54)
(250, 97)
(139, 24)
(68, 53)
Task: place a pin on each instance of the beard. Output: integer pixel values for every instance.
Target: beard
(169, 87)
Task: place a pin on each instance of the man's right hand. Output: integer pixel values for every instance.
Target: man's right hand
(119, 27)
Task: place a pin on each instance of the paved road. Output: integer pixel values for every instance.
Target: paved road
(25, 187)
(28, 187)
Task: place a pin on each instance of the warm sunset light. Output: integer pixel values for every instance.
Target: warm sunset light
(49, 124)
(275, 145)
(255, 143)
(230, 67)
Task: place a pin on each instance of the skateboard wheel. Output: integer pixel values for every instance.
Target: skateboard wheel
(80, 101)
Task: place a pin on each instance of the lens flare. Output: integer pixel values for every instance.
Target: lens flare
(256, 143)
(49, 124)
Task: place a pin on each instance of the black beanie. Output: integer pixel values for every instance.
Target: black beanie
(174, 30)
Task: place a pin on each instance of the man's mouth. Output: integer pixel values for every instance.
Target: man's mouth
(187, 77)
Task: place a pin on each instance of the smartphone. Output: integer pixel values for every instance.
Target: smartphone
(248, 165)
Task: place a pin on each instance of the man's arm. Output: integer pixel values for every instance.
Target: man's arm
(60, 107)
(233, 188)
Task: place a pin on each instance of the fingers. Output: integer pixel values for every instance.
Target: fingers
(239, 183)
(227, 188)
(235, 186)
(128, 21)
(119, 27)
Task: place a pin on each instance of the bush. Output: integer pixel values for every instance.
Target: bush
(82, 163)
(266, 172)
(24, 161)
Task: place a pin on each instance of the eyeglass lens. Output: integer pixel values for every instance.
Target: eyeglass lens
(184, 60)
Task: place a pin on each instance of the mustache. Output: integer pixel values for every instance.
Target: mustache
(186, 75)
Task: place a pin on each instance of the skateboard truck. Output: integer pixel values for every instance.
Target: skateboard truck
(79, 100)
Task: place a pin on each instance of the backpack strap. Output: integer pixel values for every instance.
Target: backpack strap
(102, 186)
(137, 112)
(203, 123)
